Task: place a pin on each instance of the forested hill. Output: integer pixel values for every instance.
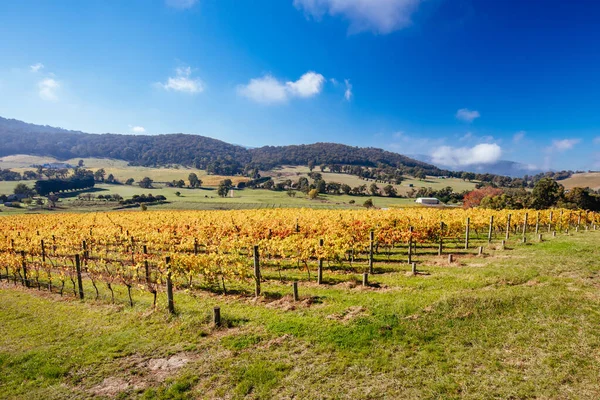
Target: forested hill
(331, 153)
(191, 150)
(147, 150)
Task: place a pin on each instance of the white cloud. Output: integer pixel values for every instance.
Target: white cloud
(308, 85)
(484, 153)
(518, 137)
(137, 129)
(466, 136)
(36, 67)
(464, 114)
(47, 89)
(348, 93)
(268, 90)
(264, 90)
(378, 16)
(181, 4)
(334, 81)
(563, 145)
(183, 82)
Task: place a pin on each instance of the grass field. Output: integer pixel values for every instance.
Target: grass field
(208, 199)
(120, 169)
(294, 173)
(588, 179)
(519, 323)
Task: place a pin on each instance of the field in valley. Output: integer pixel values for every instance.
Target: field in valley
(516, 322)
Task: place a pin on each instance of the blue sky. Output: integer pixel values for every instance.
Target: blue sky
(464, 81)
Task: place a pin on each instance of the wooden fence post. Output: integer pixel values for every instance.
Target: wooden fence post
(295, 289)
(550, 222)
(256, 272)
(450, 258)
(507, 227)
(371, 245)
(414, 268)
(537, 223)
(410, 241)
(365, 281)
(525, 228)
(467, 233)
(441, 245)
(43, 251)
(24, 266)
(320, 269)
(491, 229)
(78, 271)
(217, 316)
(171, 303)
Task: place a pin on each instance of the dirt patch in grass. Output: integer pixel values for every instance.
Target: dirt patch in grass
(287, 303)
(349, 314)
(138, 373)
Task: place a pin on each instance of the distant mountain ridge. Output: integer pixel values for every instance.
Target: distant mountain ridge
(501, 167)
(201, 152)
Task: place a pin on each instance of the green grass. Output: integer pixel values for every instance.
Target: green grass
(519, 323)
(294, 173)
(208, 199)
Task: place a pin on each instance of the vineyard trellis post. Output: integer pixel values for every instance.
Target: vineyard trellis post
(410, 242)
(217, 316)
(467, 233)
(550, 221)
(320, 269)
(43, 251)
(24, 266)
(491, 228)
(507, 227)
(170, 302)
(371, 245)
(295, 290)
(256, 272)
(78, 271)
(525, 228)
(441, 245)
(537, 223)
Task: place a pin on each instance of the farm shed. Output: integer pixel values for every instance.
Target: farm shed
(427, 200)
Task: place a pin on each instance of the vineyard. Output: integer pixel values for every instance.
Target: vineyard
(162, 252)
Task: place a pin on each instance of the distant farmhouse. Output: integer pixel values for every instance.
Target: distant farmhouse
(427, 200)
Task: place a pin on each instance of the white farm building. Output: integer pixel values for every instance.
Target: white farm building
(427, 200)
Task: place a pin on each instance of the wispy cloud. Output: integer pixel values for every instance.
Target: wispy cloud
(563, 145)
(348, 93)
(519, 136)
(269, 90)
(597, 140)
(36, 67)
(466, 115)
(377, 16)
(413, 144)
(183, 82)
(484, 153)
(181, 4)
(47, 89)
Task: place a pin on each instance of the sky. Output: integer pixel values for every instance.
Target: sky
(461, 81)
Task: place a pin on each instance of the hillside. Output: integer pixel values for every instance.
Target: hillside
(587, 179)
(196, 151)
(200, 152)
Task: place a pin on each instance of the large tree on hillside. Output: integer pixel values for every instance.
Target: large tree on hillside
(546, 193)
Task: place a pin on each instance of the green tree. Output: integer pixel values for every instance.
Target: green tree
(99, 175)
(23, 189)
(390, 191)
(129, 181)
(368, 203)
(374, 189)
(546, 193)
(224, 187)
(194, 181)
(146, 183)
